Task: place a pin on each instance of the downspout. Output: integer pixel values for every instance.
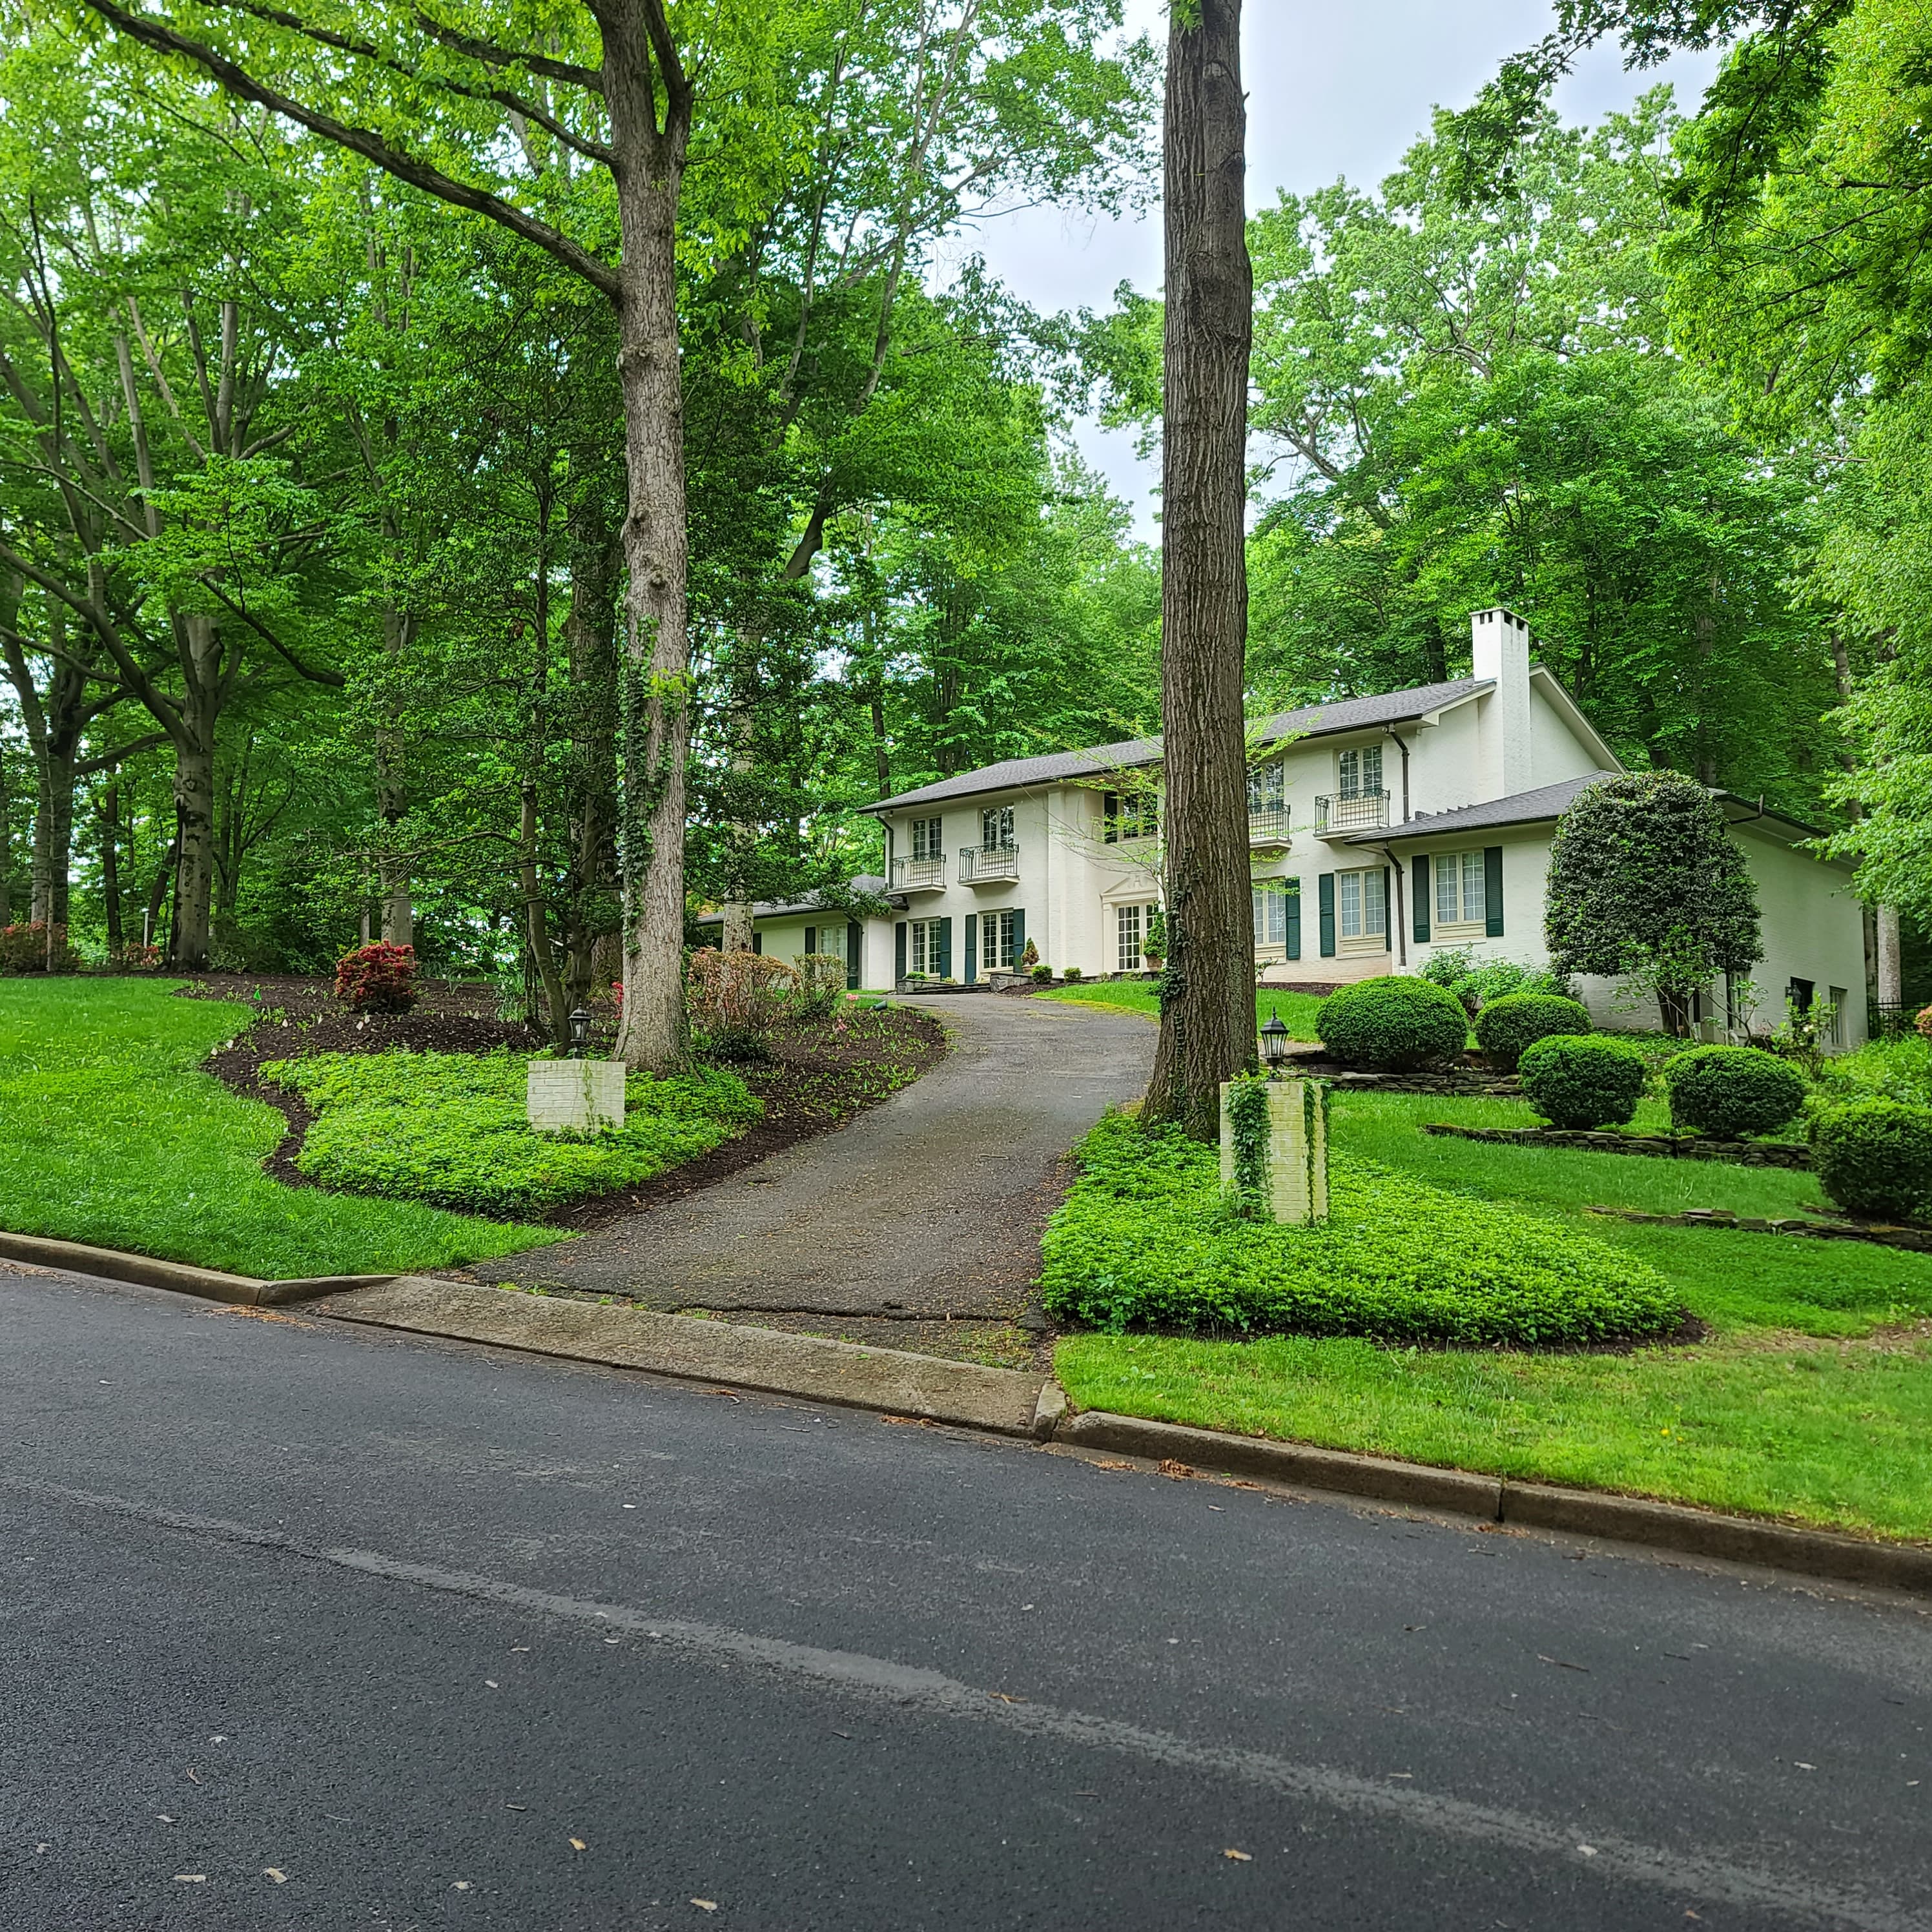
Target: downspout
(1394, 909)
(1402, 745)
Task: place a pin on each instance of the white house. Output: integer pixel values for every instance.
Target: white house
(1381, 829)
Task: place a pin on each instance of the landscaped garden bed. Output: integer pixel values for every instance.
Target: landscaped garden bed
(1804, 1390)
(1613, 1140)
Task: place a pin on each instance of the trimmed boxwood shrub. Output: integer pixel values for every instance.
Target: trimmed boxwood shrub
(1874, 1157)
(1145, 1240)
(1732, 1091)
(1393, 1023)
(1582, 1080)
(1506, 1026)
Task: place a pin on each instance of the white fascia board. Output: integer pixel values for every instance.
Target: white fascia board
(1544, 678)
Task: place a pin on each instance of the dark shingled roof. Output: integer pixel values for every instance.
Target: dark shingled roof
(1312, 721)
(865, 882)
(1522, 807)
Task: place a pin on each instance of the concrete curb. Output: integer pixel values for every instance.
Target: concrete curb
(1006, 1401)
(930, 1387)
(147, 1271)
(1660, 1525)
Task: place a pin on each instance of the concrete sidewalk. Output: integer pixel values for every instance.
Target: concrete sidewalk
(926, 1209)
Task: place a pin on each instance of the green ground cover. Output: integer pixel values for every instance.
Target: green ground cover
(451, 1128)
(1811, 1396)
(1139, 996)
(108, 1135)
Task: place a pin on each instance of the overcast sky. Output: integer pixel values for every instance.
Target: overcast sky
(1335, 88)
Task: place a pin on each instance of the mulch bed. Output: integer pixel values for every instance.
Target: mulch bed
(819, 1075)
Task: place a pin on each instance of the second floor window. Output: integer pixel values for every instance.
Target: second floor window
(1129, 815)
(1361, 772)
(925, 837)
(996, 829)
(1266, 790)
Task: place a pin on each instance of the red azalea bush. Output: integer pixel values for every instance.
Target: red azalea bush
(377, 979)
(1924, 1023)
(737, 1001)
(35, 948)
(136, 958)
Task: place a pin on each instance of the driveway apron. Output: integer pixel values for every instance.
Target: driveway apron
(928, 1206)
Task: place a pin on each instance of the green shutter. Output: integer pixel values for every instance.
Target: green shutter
(1324, 887)
(1492, 890)
(855, 945)
(1110, 817)
(811, 939)
(899, 950)
(946, 948)
(758, 941)
(1388, 915)
(1420, 888)
(1295, 919)
(1019, 937)
(972, 972)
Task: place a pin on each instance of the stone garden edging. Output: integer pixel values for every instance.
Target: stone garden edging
(1883, 1233)
(1667, 1147)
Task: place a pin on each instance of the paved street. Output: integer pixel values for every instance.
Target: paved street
(310, 1626)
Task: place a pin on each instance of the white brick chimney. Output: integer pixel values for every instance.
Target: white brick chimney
(1501, 642)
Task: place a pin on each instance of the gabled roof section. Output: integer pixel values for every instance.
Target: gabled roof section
(1522, 807)
(1312, 721)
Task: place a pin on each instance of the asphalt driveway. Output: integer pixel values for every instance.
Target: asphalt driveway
(927, 1208)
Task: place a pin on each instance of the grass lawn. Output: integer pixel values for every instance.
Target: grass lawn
(108, 1135)
(1812, 1397)
(1138, 996)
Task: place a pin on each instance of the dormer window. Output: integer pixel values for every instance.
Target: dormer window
(1361, 773)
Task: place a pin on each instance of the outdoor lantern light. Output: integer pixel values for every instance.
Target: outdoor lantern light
(580, 1033)
(1274, 1041)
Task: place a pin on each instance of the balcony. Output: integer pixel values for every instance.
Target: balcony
(983, 865)
(919, 875)
(1350, 811)
(1268, 825)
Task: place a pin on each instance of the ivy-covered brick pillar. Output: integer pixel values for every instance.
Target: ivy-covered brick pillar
(1274, 1148)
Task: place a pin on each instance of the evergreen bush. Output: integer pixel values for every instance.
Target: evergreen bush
(1582, 1080)
(1505, 1027)
(1732, 1091)
(1393, 1023)
(1874, 1157)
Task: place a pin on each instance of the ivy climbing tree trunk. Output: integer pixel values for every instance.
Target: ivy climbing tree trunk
(1208, 1014)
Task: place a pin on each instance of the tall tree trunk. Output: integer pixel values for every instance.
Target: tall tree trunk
(110, 869)
(1886, 965)
(1207, 1000)
(392, 801)
(590, 642)
(200, 707)
(536, 922)
(649, 172)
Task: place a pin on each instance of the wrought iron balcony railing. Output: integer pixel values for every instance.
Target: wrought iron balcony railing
(979, 864)
(1267, 824)
(1351, 811)
(919, 875)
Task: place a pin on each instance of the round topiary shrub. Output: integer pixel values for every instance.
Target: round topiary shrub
(1732, 1091)
(1582, 1080)
(1392, 1023)
(1874, 1157)
(1506, 1026)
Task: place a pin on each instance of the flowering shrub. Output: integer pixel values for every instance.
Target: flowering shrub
(35, 948)
(377, 979)
(1923, 1024)
(736, 1000)
(136, 958)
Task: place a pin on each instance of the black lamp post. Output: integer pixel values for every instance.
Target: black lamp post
(579, 1033)
(1274, 1041)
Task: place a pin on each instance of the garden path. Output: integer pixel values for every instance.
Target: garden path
(927, 1208)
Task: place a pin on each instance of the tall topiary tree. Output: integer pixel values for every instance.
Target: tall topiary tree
(1646, 884)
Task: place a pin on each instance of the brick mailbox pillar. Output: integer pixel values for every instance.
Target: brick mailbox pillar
(579, 1097)
(1274, 1148)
